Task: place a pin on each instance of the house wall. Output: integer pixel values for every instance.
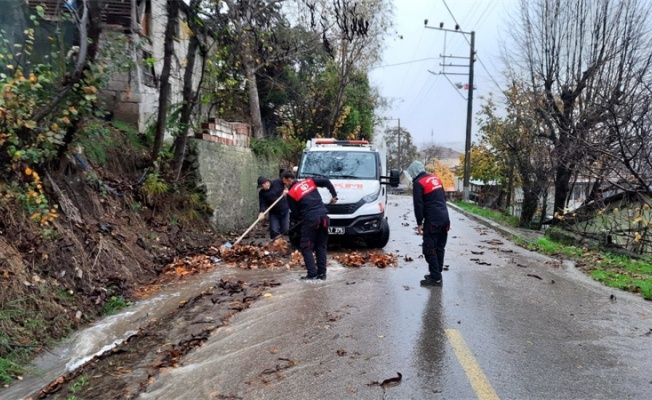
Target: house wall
(133, 95)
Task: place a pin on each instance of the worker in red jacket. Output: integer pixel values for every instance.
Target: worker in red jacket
(433, 223)
(306, 202)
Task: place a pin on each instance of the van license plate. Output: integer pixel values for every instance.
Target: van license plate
(336, 230)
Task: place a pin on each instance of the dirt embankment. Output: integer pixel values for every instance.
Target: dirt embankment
(113, 237)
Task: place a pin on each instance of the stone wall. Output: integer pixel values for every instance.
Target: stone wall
(227, 175)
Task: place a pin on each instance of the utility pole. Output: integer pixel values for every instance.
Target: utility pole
(469, 107)
(469, 119)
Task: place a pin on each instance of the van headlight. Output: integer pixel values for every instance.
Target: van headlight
(371, 197)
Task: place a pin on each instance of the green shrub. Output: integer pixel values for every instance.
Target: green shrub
(115, 304)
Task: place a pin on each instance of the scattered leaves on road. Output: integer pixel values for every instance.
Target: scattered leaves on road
(357, 259)
(388, 382)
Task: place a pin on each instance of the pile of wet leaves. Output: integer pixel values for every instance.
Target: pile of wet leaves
(271, 255)
(358, 259)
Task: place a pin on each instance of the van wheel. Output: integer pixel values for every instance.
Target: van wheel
(380, 239)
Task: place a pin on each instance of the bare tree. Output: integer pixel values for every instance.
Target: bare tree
(433, 151)
(630, 151)
(577, 58)
(353, 35)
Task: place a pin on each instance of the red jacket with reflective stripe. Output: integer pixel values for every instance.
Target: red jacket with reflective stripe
(304, 198)
(429, 200)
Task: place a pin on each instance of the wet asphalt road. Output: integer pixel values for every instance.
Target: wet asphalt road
(494, 330)
(507, 324)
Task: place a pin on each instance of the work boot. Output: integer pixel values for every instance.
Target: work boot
(429, 277)
(431, 282)
(310, 278)
(322, 276)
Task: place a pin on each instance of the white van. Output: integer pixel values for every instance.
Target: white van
(358, 172)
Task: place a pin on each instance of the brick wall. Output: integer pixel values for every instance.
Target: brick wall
(229, 133)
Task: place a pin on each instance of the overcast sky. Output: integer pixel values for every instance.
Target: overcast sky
(428, 105)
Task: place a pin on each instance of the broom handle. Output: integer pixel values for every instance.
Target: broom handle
(257, 219)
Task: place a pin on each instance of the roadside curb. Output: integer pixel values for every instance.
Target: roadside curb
(530, 237)
(523, 234)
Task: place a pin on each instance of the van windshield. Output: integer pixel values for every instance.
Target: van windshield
(339, 165)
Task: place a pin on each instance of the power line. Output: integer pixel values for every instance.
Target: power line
(469, 100)
(454, 86)
(412, 85)
(482, 14)
(467, 40)
(405, 62)
(416, 49)
(488, 73)
(419, 99)
(451, 13)
(490, 5)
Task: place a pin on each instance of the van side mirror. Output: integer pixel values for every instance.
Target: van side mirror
(391, 180)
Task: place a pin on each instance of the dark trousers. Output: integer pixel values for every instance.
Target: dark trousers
(279, 224)
(314, 236)
(434, 244)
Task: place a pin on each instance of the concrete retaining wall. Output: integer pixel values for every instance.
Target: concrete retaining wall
(228, 176)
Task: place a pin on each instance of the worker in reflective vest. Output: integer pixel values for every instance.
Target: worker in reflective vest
(433, 223)
(306, 202)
